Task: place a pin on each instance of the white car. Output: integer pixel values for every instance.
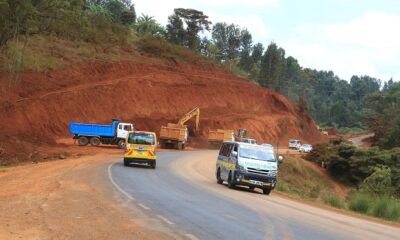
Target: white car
(305, 148)
(294, 144)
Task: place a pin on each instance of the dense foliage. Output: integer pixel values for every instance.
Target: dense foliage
(89, 20)
(383, 115)
(374, 170)
(330, 100)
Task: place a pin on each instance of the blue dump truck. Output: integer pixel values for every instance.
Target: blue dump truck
(114, 134)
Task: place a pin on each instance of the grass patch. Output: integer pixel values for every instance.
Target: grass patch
(359, 202)
(302, 182)
(334, 201)
(160, 48)
(385, 207)
(45, 53)
(297, 179)
(352, 131)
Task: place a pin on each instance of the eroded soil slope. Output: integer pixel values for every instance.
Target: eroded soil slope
(37, 111)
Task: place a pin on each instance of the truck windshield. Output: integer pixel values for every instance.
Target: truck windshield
(257, 153)
(141, 138)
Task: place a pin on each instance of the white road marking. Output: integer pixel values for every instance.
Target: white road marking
(116, 185)
(165, 220)
(143, 206)
(190, 236)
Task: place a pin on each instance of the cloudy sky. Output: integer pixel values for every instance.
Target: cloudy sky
(350, 37)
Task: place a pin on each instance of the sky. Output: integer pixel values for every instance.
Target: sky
(349, 37)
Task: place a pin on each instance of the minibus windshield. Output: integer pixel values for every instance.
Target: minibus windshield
(257, 153)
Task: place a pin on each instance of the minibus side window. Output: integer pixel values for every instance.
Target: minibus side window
(221, 151)
(227, 151)
(235, 148)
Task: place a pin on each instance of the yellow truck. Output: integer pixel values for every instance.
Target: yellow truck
(173, 135)
(176, 135)
(216, 138)
(141, 149)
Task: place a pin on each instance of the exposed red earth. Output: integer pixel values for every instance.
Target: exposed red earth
(36, 112)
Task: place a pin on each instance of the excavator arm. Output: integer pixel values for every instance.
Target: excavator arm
(189, 115)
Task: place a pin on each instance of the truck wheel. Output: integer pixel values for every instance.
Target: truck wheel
(162, 144)
(219, 179)
(95, 141)
(180, 146)
(231, 181)
(266, 191)
(121, 143)
(83, 141)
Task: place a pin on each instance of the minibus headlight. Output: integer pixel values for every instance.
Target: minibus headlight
(241, 169)
(272, 173)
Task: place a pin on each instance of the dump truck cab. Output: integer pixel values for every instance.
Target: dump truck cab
(141, 149)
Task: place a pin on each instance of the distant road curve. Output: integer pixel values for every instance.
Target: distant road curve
(359, 140)
(183, 193)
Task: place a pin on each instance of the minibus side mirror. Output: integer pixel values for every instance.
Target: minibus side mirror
(234, 154)
(280, 159)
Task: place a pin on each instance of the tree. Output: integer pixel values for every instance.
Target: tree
(147, 25)
(176, 33)
(233, 37)
(196, 21)
(128, 17)
(121, 11)
(220, 40)
(246, 61)
(272, 66)
(257, 52)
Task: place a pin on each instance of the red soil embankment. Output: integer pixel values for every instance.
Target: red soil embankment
(37, 111)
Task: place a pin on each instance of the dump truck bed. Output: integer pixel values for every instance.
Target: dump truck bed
(87, 129)
(220, 135)
(173, 132)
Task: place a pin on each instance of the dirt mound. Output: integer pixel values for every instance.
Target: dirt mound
(38, 110)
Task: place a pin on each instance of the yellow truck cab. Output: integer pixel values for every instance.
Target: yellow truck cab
(141, 148)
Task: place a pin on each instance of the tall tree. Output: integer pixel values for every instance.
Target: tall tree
(257, 52)
(220, 40)
(246, 61)
(196, 21)
(233, 35)
(176, 32)
(272, 65)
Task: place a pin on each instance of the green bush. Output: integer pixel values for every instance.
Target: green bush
(360, 202)
(160, 48)
(385, 207)
(334, 201)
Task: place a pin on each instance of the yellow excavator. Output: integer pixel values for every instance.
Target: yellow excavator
(189, 115)
(176, 135)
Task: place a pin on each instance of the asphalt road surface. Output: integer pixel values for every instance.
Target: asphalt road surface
(183, 194)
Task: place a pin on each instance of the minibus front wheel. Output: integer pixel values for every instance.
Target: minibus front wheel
(219, 179)
(267, 191)
(231, 183)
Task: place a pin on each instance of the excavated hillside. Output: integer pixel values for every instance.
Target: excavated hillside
(37, 110)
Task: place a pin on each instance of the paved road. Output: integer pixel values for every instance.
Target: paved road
(183, 193)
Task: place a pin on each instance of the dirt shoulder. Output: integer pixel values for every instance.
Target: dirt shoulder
(67, 199)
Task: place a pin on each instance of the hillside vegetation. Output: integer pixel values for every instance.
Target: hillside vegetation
(112, 24)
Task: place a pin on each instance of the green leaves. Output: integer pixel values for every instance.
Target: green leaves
(147, 25)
